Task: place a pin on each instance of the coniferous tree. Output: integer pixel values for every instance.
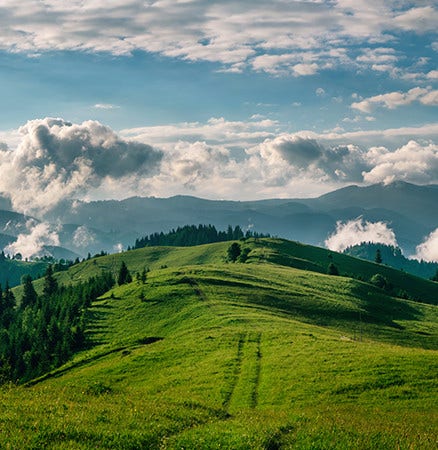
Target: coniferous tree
(332, 269)
(50, 284)
(234, 251)
(378, 258)
(30, 296)
(143, 275)
(124, 275)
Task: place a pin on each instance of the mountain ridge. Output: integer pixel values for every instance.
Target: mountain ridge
(108, 224)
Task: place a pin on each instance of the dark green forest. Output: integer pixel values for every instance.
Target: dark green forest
(189, 235)
(41, 332)
(393, 256)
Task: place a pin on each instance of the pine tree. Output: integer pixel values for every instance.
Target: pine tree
(234, 251)
(50, 284)
(29, 297)
(332, 269)
(378, 258)
(124, 275)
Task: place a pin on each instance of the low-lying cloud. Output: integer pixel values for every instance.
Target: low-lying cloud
(32, 242)
(83, 237)
(428, 250)
(58, 160)
(355, 232)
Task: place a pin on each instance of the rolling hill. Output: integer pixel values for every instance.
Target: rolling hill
(262, 355)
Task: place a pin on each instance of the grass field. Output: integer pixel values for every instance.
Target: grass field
(239, 356)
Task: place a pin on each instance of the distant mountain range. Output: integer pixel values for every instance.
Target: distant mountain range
(410, 210)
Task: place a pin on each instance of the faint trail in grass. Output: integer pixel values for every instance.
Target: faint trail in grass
(243, 386)
(258, 366)
(234, 376)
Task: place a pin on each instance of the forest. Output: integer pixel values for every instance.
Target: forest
(189, 235)
(41, 332)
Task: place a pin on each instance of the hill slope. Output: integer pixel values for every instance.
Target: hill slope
(257, 355)
(267, 250)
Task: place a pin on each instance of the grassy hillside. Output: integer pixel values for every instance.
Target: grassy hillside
(240, 356)
(267, 250)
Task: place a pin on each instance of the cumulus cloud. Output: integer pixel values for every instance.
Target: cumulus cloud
(412, 162)
(306, 156)
(57, 160)
(32, 242)
(393, 100)
(428, 250)
(238, 159)
(357, 231)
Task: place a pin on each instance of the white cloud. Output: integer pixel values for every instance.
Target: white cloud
(421, 19)
(305, 69)
(357, 231)
(291, 156)
(393, 100)
(320, 92)
(83, 237)
(433, 75)
(308, 36)
(268, 161)
(216, 130)
(32, 242)
(412, 162)
(56, 160)
(105, 106)
(428, 250)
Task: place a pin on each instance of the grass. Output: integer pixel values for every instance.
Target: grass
(236, 356)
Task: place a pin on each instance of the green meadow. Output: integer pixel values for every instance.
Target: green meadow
(267, 354)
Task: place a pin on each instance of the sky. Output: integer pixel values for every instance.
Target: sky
(217, 99)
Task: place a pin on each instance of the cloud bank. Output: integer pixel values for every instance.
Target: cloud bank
(428, 250)
(32, 242)
(357, 231)
(58, 160)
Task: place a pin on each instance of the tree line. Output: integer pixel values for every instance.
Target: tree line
(190, 235)
(42, 332)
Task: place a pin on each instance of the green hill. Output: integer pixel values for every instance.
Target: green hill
(262, 251)
(255, 355)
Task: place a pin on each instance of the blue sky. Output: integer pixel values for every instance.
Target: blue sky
(218, 99)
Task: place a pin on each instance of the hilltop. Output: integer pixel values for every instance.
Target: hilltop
(264, 354)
